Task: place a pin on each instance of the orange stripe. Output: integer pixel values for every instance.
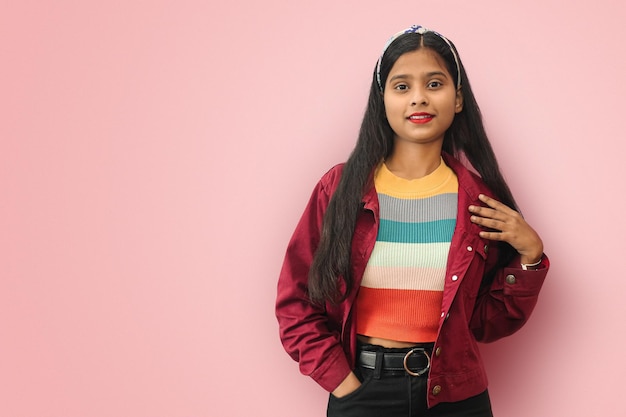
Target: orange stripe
(403, 315)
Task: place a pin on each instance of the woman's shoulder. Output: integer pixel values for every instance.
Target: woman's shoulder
(330, 179)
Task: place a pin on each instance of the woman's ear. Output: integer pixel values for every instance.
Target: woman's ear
(459, 101)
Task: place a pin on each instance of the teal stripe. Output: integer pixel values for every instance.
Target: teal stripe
(427, 232)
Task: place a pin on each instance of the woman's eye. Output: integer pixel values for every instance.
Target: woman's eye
(401, 87)
(434, 84)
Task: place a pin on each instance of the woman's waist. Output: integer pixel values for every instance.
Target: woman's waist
(392, 344)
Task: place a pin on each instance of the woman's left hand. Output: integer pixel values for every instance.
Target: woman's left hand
(507, 225)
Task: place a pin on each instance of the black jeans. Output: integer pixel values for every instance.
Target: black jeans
(398, 394)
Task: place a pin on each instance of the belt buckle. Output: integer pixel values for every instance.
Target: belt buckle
(422, 371)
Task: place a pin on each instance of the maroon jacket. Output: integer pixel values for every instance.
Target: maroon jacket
(323, 340)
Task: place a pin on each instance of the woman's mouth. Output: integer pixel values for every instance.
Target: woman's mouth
(420, 118)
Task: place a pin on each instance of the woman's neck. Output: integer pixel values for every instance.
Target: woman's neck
(413, 161)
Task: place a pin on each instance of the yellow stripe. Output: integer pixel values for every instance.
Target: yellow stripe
(441, 180)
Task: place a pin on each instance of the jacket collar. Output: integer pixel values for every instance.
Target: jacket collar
(469, 182)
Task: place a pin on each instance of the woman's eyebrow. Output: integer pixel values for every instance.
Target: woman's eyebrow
(435, 74)
(400, 76)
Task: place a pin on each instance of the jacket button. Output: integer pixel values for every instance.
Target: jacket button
(436, 389)
(486, 248)
(510, 279)
(469, 249)
(454, 277)
(438, 351)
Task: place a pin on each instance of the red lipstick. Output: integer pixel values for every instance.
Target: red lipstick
(420, 118)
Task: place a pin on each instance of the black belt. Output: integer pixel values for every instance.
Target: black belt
(415, 361)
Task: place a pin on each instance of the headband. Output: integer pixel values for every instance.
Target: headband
(419, 30)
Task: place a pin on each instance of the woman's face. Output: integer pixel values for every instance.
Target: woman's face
(421, 97)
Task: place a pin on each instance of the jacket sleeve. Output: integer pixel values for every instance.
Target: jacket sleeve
(505, 305)
(304, 327)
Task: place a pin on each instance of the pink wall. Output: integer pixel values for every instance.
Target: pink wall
(156, 155)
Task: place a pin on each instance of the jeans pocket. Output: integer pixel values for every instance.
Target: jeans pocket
(364, 377)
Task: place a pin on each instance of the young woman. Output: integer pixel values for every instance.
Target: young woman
(404, 258)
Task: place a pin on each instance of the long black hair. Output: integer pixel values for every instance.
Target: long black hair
(466, 136)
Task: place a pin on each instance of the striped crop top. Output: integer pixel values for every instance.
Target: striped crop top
(402, 287)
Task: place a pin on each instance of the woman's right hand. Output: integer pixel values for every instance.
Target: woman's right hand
(347, 386)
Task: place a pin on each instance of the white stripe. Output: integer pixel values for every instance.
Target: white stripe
(428, 279)
(411, 255)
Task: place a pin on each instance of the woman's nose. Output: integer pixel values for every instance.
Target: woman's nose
(418, 97)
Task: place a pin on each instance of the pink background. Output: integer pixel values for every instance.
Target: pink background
(156, 155)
